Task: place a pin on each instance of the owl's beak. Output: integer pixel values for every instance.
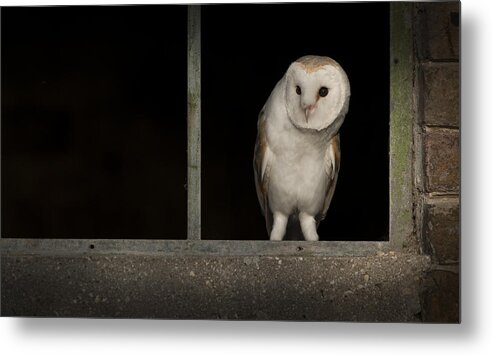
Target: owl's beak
(308, 111)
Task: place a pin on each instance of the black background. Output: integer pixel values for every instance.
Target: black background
(94, 117)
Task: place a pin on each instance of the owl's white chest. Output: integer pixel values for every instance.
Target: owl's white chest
(298, 179)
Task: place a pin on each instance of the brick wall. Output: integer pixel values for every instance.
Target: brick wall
(437, 148)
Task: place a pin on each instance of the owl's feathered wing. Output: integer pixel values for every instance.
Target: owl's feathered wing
(261, 164)
(332, 167)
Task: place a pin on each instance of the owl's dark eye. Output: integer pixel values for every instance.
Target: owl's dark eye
(298, 90)
(323, 91)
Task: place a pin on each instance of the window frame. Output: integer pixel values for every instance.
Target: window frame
(401, 226)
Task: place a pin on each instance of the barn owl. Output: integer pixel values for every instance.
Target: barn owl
(297, 151)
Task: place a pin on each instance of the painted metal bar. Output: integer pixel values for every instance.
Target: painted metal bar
(194, 123)
(401, 123)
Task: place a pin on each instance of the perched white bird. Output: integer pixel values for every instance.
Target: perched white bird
(297, 152)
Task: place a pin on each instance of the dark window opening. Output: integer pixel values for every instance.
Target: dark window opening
(94, 117)
(246, 49)
(94, 122)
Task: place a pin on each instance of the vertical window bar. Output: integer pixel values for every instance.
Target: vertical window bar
(194, 123)
(401, 122)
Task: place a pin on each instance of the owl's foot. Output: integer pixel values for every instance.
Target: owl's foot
(279, 226)
(308, 226)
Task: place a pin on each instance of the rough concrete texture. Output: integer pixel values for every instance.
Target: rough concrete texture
(380, 288)
(441, 229)
(441, 94)
(442, 160)
(440, 29)
(441, 297)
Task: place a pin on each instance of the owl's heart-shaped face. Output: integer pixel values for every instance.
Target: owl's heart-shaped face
(317, 92)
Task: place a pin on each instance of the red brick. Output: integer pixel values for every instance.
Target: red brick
(440, 30)
(442, 160)
(441, 94)
(441, 297)
(441, 229)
